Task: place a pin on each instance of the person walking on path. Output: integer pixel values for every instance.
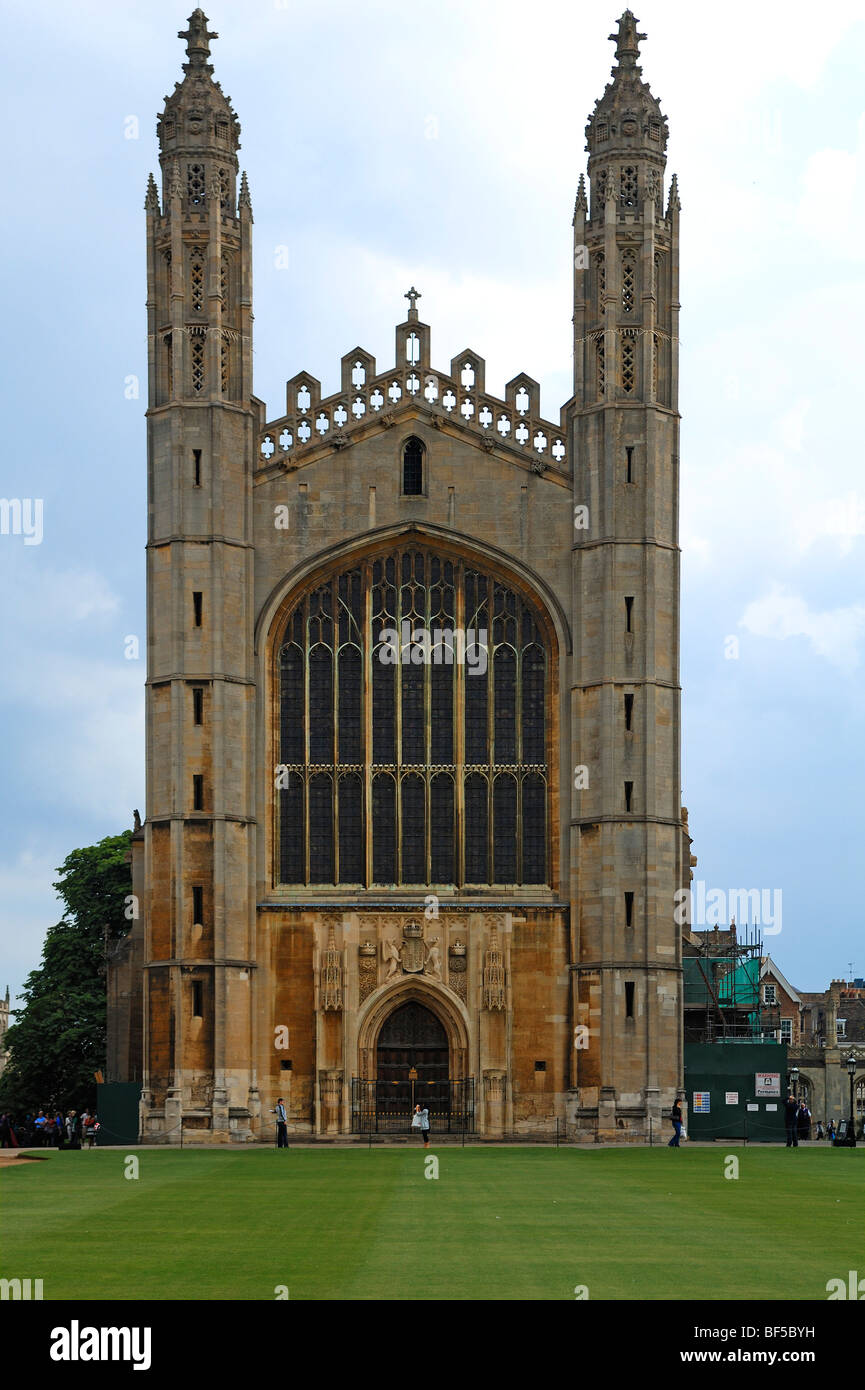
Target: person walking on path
(819, 1129)
(804, 1122)
(676, 1119)
(89, 1127)
(791, 1122)
(281, 1125)
(420, 1122)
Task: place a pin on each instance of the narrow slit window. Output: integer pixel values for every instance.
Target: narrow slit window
(629, 712)
(630, 455)
(197, 705)
(197, 792)
(540, 1066)
(196, 607)
(629, 909)
(412, 469)
(629, 794)
(197, 904)
(629, 613)
(197, 1006)
(629, 999)
(196, 467)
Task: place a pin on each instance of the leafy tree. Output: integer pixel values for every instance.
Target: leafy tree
(59, 1039)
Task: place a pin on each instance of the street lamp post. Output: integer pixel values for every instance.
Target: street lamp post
(794, 1081)
(851, 1124)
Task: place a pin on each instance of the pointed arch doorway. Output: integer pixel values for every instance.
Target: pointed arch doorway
(412, 1045)
(412, 1062)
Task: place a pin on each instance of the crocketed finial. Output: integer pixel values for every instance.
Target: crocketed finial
(151, 197)
(197, 38)
(627, 41)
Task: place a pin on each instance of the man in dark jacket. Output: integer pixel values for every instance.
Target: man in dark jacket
(791, 1121)
(281, 1125)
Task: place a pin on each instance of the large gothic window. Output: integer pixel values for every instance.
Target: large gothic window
(400, 762)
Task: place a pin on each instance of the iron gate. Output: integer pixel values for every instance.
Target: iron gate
(376, 1109)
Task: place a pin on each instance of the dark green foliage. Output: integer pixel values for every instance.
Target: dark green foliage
(58, 1041)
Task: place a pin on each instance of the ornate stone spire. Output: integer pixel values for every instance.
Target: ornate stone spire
(151, 197)
(244, 200)
(494, 973)
(673, 204)
(331, 975)
(198, 124)
(198, 41)
(581, 204)
(627, 40)
(627, 119)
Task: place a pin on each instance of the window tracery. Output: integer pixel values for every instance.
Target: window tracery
(396, 770)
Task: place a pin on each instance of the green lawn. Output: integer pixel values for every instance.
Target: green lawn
(498, 1223)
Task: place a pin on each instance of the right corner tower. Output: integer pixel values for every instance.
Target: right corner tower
(628, 839)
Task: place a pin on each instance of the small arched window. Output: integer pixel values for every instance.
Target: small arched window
(412, 469)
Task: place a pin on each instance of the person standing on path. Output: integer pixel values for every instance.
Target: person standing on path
(89, 1128)
(420, 1122)
(791, 1122)
(281, 1125)
(676, 1118)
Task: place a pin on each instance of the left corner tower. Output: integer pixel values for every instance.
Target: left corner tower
(199, 855)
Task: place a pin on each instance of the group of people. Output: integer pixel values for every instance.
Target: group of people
(797, 1122)
(49, 1129)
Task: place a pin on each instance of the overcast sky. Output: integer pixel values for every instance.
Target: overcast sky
(440, 145)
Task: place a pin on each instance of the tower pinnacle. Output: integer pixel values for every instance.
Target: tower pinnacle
(627, 40)
(198, 39)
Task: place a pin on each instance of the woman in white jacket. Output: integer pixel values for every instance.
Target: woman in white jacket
(420, 1122)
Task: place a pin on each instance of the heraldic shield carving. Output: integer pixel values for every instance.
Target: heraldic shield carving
(412, 951)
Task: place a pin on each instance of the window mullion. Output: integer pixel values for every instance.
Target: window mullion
(427, 717)
(307, 731)
(491, 725)
(397, 752)
(518, 740)
(367, 651)
(459, 732)
(334, 697)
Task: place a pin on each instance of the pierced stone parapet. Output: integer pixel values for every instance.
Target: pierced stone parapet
(367, 398)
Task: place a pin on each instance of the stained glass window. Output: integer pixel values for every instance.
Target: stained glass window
(413, 692)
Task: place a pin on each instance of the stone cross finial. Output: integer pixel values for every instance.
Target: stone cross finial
(627, 40)
(197, 36)
(413, 296)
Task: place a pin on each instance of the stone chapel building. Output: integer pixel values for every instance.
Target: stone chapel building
(375, 868)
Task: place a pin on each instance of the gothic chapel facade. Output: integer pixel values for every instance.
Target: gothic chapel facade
(369, 874)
